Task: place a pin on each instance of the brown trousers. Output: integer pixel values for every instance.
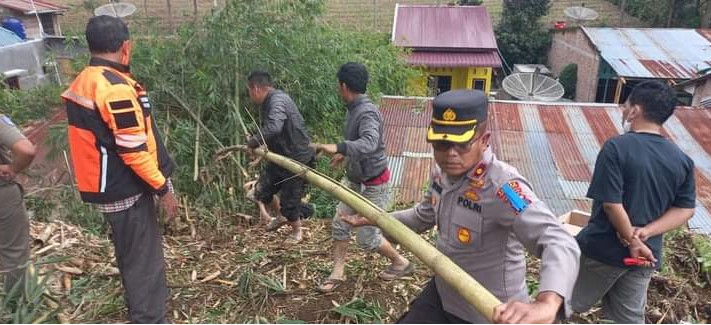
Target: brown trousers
(14, 235)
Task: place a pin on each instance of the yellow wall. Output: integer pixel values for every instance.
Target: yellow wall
(461, 78)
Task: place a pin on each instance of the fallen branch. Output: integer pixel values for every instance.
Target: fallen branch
(466, 286)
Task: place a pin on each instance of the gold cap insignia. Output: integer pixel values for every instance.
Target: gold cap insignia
(449, 115)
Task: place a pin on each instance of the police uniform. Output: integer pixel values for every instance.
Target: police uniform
(484, 221)
(14, 224)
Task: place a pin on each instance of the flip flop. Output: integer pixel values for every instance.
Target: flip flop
(390, 273)
(275, 224)
(334, 283)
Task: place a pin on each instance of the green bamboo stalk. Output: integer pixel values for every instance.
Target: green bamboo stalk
(466, 286)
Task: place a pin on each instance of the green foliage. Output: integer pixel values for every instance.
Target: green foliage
(31, 104)
(569, 78)
(63, 203)
(686, 13)
(703, 251)
(27, 303)
(521, 36)
(360, 311)
(203, 68)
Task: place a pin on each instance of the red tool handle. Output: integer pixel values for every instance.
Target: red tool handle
(631, 261)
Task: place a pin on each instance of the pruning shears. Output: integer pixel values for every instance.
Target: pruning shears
(631, 261)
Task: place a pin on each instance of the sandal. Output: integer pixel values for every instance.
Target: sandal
(390, 273)
(275, 224)
(333, 283)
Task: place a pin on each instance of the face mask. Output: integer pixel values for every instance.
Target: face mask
(126, 55)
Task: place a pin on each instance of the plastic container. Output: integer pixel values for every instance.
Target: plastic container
(16, 26)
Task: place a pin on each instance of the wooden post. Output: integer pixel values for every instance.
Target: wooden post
(618, 92)
(170, 14)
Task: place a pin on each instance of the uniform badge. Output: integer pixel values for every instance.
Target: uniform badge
(464, 235)
(478, 172)
(6, 120)
(449, 115)
(471, 195)
(477, 184)
(512, 194)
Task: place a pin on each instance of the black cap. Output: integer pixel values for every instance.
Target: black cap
(456, 114)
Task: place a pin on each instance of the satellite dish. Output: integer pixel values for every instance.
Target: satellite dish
(580, 13)
(533, 86)
(115, 9)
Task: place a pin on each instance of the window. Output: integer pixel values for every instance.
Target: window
(479, 84)
(439, 84)
(48, 24)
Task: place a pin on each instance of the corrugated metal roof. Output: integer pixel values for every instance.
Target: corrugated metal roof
(553, 145)
(656, 53)
(7, 37)
(443, 27)
(25, 6)
(454, 59)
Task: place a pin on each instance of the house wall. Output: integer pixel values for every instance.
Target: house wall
(462, 78)
(573, 46)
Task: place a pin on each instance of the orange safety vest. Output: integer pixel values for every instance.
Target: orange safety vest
(116, 149)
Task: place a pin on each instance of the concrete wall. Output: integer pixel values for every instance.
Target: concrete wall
(29, 56)
(572, 46)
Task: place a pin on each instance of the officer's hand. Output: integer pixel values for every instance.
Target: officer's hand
(639, 249)
(6, 173)
(355, 220)
(541, 311)
(169, 205)
(337, 160)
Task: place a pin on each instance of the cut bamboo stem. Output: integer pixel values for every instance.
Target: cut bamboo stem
(466, 286)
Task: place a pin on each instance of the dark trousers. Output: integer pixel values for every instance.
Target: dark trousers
(139, 253)
(427, 309)
(14, 235)
(275, 179)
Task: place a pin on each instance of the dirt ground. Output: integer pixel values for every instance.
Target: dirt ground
(240, 273)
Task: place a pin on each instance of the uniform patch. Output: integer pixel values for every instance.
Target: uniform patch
(477, 183)
(6, 120)
(464, 235)
(120, 104)
(512, 194)
(471, 195)
(469, 204)
(126, 120)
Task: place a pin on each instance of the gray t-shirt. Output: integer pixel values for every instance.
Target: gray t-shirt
(9, 135)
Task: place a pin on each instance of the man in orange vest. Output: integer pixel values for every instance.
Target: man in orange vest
(121, 164)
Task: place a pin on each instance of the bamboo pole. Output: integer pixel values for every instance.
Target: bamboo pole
(466, 286)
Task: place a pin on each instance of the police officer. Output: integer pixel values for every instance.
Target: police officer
(486, 214)
(16, 154)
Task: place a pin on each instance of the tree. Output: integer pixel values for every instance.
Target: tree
(569, 78)
(520, 35)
